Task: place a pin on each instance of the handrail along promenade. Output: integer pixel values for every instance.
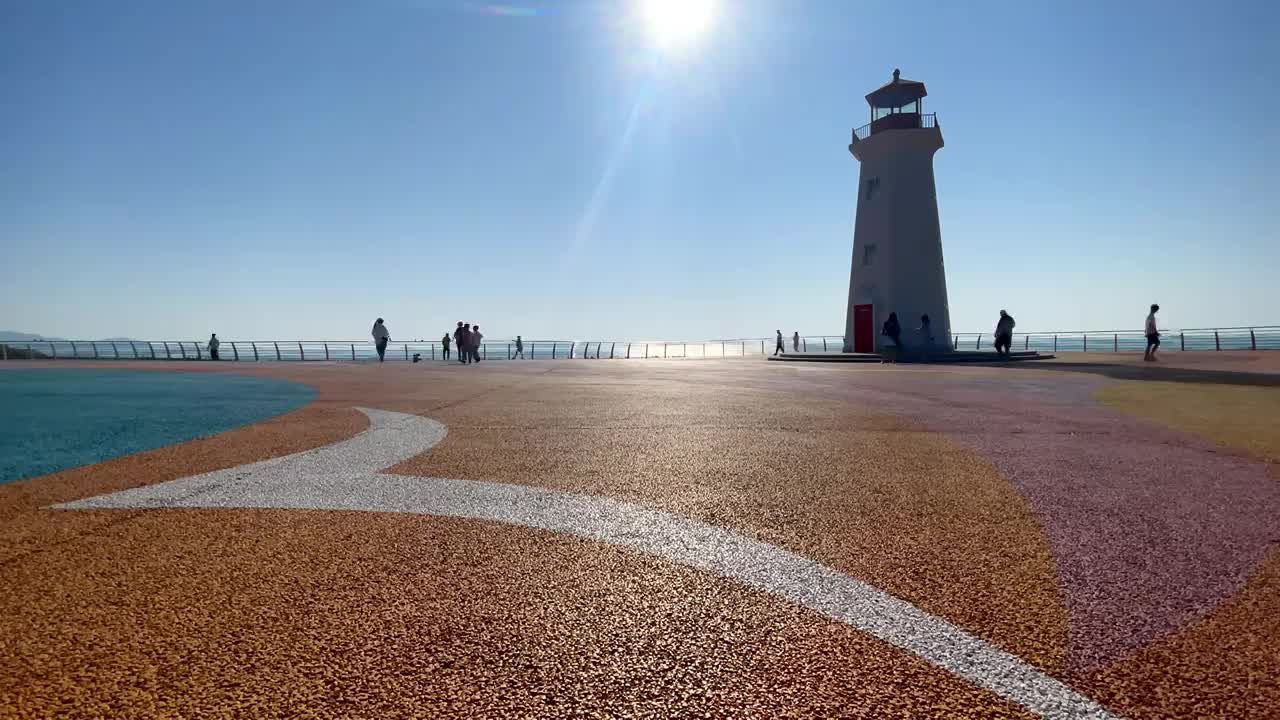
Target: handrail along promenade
(1190, 339)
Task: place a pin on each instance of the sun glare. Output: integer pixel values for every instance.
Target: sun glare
(677, 23)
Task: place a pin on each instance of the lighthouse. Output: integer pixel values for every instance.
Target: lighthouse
(897, 243)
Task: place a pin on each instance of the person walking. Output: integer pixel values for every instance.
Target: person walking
(781, 348)
(444, 343)
(519, 348)
(1153, 335)
(795, 341)
(1004, 333)
(476, 337)
(213, 346)
(381, 336)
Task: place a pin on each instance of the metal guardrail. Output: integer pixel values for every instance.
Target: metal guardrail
(1189, 339)
(926, 120)
(1218, 339)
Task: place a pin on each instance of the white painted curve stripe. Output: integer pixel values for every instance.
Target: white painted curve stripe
(339, 477)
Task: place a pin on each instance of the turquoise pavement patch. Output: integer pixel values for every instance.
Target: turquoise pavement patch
(54, 419)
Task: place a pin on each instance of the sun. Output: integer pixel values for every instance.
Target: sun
(677, 23)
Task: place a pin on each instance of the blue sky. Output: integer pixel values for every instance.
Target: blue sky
(295, 168)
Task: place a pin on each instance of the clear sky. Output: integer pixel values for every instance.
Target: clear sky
(295, 168)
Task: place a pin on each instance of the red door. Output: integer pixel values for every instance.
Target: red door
(864, 332)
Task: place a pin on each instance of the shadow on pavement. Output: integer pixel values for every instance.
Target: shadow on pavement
(1159, 373)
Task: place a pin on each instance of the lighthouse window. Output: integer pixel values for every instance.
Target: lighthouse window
(868, 254)
(873, 186)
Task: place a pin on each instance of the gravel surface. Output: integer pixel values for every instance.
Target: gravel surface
(900, 479)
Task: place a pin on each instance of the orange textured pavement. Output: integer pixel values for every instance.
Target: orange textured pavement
(256, 613)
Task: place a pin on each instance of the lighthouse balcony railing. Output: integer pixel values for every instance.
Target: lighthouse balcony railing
(898, 121)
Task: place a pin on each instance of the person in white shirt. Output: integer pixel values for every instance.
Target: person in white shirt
(213, 346)
(1004, 333)
(381, 336)
(1153, 335)
(925, 333)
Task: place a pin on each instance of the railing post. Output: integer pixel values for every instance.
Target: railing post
(75, 352)
(302, 355)
(761, 349)
(94, 345)
(664, 351)
(977, 344)
(646, 351)
(115, 350)
(1055, 343)
(1182, 340)
(533, 350)
(182, 349)
(628, 351)
(255, 351)
(1115, 343)
(53, 350)
(1086, 343)
(824, 344)
(326, 351)
(804, 344)
(433, 351)
(406, 350)
(612, 345)
(168, 354)
(684, 350)
(553, 350)
(235, 352)
(1217, 344)
(199, 351)
(1026, 345)
(484, 351)
(353, 352)
(134, 349)
(277, 346)
(1253, 341)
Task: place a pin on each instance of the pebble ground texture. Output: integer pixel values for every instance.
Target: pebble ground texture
(670, 539)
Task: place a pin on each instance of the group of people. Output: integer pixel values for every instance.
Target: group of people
(795, 344)
(466, 339)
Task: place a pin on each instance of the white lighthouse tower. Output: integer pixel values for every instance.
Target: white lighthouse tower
(897, 243)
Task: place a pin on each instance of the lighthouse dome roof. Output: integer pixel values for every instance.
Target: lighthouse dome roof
(896, 93)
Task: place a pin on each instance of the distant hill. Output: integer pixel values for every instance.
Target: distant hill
(12, 336)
